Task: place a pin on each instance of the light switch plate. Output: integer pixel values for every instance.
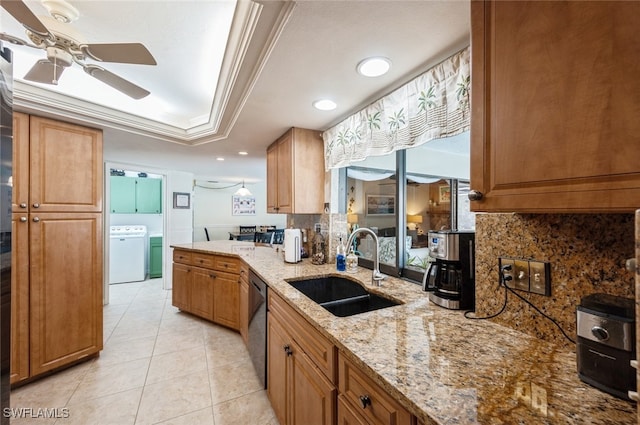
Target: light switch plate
(506, 262)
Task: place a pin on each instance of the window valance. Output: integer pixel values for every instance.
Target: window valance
(433, 105)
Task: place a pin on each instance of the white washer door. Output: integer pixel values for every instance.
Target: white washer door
(126, 259)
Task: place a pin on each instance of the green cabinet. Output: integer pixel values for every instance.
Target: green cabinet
(155, 256)
(130, 195)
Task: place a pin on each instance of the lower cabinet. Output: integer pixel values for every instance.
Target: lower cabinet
(207, 286)
(299, 391)
(364, 401)
(244, 303)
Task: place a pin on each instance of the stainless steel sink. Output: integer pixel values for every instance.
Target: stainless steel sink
(340, 296)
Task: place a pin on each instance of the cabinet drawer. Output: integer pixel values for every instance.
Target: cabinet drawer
(319, 349)
(244, 272)
(180, 256)
(226, 264)
(371, 400)
(203, 260)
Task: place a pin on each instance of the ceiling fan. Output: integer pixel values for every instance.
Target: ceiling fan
(65, 46)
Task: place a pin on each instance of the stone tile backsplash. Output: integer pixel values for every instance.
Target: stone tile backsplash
(587, 253)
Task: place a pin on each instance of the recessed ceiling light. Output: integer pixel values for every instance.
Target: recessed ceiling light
(374, 67)
(324, 105)
(243, 153)
(219, 158)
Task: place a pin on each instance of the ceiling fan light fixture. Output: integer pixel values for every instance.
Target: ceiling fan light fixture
(61, 11)
(325, 105)
(243, 191)
(374, 66)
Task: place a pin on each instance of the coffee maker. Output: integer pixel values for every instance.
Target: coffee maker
(450, 279)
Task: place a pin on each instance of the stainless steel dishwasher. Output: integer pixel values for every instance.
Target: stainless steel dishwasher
(258, 326)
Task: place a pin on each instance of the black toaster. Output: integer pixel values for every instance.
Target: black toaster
(606, 343)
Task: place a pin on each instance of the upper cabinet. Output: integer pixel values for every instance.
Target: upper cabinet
(131, 195)
(555, 106)
(295, 173)
(58, 166)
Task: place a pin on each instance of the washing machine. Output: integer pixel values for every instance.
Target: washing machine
(127, 253)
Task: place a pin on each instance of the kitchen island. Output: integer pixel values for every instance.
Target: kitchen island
(441, 367)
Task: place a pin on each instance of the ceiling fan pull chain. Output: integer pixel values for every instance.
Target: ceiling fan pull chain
(55, 67)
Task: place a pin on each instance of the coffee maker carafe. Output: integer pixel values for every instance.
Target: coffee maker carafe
(450, 279)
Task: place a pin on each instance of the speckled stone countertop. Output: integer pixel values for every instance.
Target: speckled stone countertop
(443, 368)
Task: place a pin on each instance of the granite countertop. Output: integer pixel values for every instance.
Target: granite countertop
(443, 368)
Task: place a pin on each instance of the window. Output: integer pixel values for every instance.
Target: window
(429, 195)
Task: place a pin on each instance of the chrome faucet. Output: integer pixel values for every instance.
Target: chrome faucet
(376, 277)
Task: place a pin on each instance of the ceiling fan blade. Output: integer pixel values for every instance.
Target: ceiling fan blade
(15, 40)
(45, 72)
(25, 16)
(116, 82)
(134, 53)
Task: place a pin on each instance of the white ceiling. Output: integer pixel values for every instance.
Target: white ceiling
(280, 57)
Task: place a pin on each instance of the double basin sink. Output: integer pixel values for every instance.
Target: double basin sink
(340, 296)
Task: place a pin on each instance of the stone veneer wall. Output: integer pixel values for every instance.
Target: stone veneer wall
(587, 253)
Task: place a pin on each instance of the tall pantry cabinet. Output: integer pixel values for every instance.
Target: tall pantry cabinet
(57, 226)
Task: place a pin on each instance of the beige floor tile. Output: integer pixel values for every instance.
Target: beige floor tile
(134, 331)
(200, 417)
(180, 340)
(125, 350)
(225, 350)
(233, 380)
(174, 398)
(115, 409)
(105, 379)
(252, 408)
(176, 364)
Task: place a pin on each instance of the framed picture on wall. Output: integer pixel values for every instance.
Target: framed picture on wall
(243, 205)
(445, 193)
(181, 200)
(381, 204)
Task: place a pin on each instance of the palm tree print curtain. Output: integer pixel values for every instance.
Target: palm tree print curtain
(432, 106)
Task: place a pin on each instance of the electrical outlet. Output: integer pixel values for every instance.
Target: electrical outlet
(540, 281)
(502, 263)
(521, 275)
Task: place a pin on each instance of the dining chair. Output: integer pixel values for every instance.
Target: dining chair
(263, 237)
(247, 229)
(278, 236)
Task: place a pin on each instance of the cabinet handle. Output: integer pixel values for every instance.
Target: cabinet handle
(212, 276)
(287, 349)
(365, 401)
(23, 219)
(475, 195)
(36, 219)
(23, 205)
(36, 205)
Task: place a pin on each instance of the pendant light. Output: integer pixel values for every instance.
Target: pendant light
(243, 191)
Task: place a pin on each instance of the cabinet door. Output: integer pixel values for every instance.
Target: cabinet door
(181, 291)
(285, 174)
(202, 292)
(19, 297)
(66, 167)
(244, 310)
(312, 395)
(20, 154)
(277, 375)
(347, 414)
(554, 129)
(123, 195)
(155, 257)
(226, 300)
(65, 288)
(148, 196)
(272, 179)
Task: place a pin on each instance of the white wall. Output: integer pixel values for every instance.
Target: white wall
(212, 209)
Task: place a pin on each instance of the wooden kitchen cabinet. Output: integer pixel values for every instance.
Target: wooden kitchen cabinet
(244, 303)
(295, 162)
(57, 257)
(300, 368)
(555, 103)
(207, 286)
(19, 297)
(373, 404)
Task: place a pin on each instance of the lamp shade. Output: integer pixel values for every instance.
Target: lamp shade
(243, 191)
(414, 219)
(352, 218)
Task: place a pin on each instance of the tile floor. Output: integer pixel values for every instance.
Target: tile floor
(158, 366)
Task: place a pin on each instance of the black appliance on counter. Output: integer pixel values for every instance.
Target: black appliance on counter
(450, 279)
(606, 343)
